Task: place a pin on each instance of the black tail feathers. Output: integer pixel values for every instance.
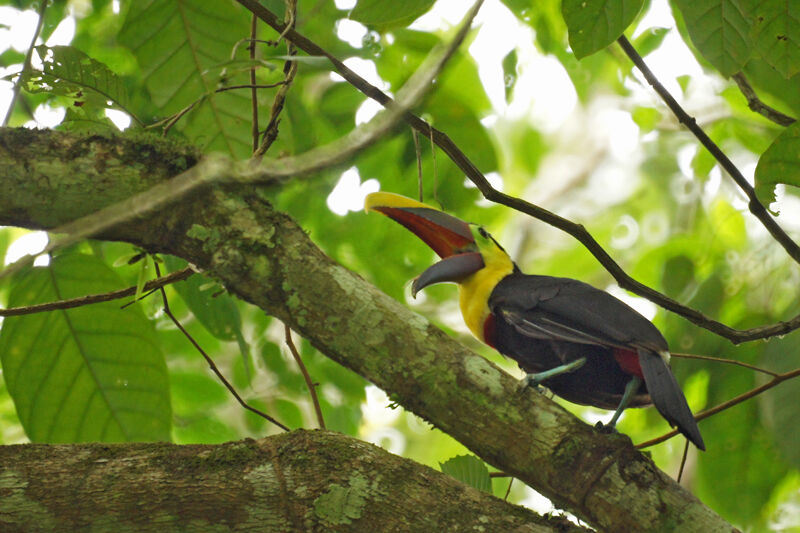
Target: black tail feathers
(668, 397)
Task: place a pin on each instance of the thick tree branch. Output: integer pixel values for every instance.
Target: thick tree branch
(299, 481)
(267, 259)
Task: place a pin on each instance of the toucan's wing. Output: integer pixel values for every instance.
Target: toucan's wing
(561, 309)
(545, 307)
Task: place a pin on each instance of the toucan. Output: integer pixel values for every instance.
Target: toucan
(582, 343)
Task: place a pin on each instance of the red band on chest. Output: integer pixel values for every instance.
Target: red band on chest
(628, 360)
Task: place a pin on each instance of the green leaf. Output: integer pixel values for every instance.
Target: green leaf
(386, 14)
(776, 32)
(647, 118)
(594, 24)
(470, 470)
(217, 312)
(678, 274)
(720, 30)
(92, 373)
(177, 44)
(649, 40)
(779, 164)
(779, 405)
(66, 71)
(510, 74)
(728, 224)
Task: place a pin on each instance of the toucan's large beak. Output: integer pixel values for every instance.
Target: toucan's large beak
(446, 234)
(449, 237)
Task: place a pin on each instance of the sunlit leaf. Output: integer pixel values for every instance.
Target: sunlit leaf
(594, 24)
(177, 44)
(67, 71)
(650, 40)
(385, 14)
(776, 30)
(510, 73)
(647, 118)
(720, 30)
(93, 373)
(728, 225)
(779, 164)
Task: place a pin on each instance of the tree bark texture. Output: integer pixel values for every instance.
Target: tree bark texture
(265, 258)
(299, 481)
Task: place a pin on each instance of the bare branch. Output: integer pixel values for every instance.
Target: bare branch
(755, 103)
(157, 283)
(756, 207)
(253, 89)
(217, 372)
(312, 387)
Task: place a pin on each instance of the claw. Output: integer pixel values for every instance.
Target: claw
(531, 380)
(605, 428)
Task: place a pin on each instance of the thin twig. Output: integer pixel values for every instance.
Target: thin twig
(683, 460)
(312, 388)
(508, 490)
(777, 380)
(97, 298)
(26, 65)
(435, 170)
(289, 70)
(250, 86)
(756, 207)
(173, 119)
(168, 312)
(253, 90)
(723, 361)
(755, 103)
(415, 135)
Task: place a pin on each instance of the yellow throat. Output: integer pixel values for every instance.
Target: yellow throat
(474, 291)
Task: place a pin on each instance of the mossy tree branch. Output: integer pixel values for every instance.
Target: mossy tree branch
(298, 481)
(264, 257)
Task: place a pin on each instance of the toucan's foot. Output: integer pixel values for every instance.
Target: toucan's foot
(605, 428)
(530, 381)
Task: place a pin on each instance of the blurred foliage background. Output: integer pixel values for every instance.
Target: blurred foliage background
(585, 138)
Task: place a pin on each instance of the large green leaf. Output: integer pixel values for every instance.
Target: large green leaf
(779, 405)
(92, 373)
(776, 30)
(386, 14)
(779, 164)
(737, 443)
(67, 71)
(594, 24)
(181, 46)
(720, 30)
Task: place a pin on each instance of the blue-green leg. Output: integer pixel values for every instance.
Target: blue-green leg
(630, 390)
(533, 380)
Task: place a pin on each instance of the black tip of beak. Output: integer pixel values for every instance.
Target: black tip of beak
(454, 269)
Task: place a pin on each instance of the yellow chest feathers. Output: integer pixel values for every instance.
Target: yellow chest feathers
(474, 292)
